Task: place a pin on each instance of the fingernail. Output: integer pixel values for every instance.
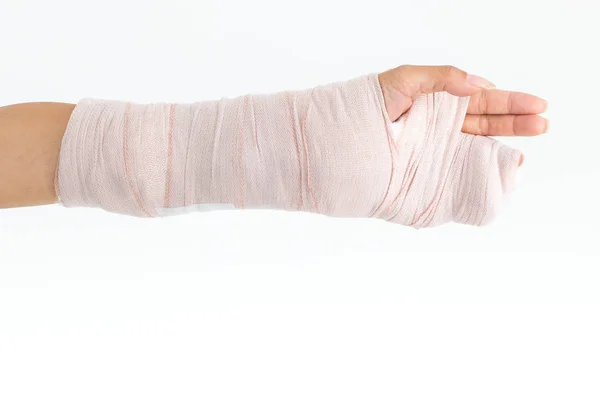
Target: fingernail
(480, 82)
(521, 159)
(547, 126)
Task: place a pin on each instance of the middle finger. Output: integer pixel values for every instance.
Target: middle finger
(504, 102)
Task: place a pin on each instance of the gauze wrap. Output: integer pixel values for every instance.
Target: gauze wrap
(330, 150)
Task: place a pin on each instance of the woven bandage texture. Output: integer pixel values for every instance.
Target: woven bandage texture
(331, 150)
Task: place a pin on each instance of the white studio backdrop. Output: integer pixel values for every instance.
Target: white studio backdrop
(274, 305)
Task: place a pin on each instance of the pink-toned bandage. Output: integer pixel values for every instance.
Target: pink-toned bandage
(330, 150)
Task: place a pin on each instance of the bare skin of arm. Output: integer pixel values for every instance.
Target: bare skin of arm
(30, 138)
(31, 133)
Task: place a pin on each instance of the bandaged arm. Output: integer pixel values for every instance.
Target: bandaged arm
(330, 150)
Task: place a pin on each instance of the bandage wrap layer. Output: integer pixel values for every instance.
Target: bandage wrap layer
(330, 150)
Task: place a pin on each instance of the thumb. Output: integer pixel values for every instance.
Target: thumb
(400, 86)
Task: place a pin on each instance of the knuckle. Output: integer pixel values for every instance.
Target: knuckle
(403, 69)
(483, 103)
(450, 71)
(513, 130)
(509, 103)
(484, 125)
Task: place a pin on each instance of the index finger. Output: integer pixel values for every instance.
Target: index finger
(504, 102)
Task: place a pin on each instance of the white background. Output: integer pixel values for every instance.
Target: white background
(276, 305)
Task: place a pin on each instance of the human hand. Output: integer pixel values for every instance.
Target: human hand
(490, 112)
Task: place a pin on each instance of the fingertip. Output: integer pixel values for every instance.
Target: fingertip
(521, 159)
(530, 104)
(541, 125)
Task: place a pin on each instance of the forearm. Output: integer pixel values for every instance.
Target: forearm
(30, 140)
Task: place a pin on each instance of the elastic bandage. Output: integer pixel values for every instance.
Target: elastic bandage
(330, 150)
